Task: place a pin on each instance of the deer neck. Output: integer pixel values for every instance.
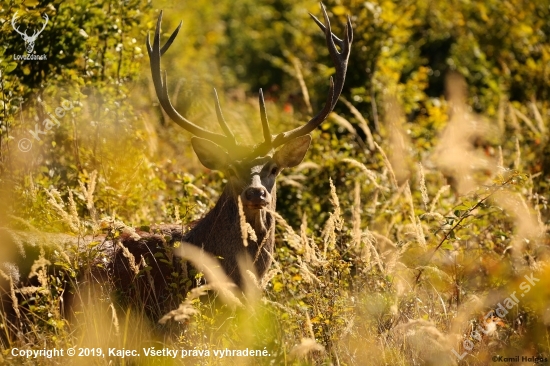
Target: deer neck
(227, 206)
(219, 233)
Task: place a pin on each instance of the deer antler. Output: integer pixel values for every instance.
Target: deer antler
(45, 16)
(155, 52)
(340, 60)
(35, 33)
(13, 19)
(228, 141)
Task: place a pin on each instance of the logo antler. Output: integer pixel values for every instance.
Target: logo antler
(29, 40)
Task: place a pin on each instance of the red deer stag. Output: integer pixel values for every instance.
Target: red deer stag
(252, 171)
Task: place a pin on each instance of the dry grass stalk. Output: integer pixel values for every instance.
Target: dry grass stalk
(369, 173)
(293, 239)
(419, 231)
(362, 122)
(391, 260)
(298, 73)
(177, 217)
(399, 142)
(284, 308)
(391, 203)
(70, 218)
(262, 244)
(437, 196)
(88, 193)
(268, 277)
(517, 161)
(117, 225)
(377, 237)
(199, 191)
(356, 216)
(344, 123)
(309, 247)
(307, 276)
(247, 232)
(14, 301)
(423, 189)
(369, 248)
(17, 239)
(11, 271)
(186, 310)
(388, 165)
(290, 181)
(149, 276)
(309, 326)
(72, 207)
(251, 288)
(426, 343)
(513, 117)
(524, 218)
(131, 259)
(114, 319)
(500, 114)
(253, 279)
(368, 239)
(39, 269)
(334, 222)
(32, 188)
(435, 215)
(525, 119)
(214, 274)
(62, 252)
(306, 346)
(457, 155)
(307, 165)
(30, 290)
(271, 273)
(303, 232)
(29, 226)
(538, 117)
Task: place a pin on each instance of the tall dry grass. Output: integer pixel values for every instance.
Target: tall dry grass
(412, 255)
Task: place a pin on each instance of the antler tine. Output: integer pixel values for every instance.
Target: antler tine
(337, 40)
(221, 120)
(265, 123)
(170, 39)
(161, 88)
(45, 24)
(13, 19)
(340, 60)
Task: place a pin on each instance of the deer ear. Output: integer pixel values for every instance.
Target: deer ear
(292, 153)
(211, 155)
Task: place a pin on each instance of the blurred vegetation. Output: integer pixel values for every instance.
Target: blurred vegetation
(421, 205)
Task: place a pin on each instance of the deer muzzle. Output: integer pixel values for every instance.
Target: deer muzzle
(255, 197)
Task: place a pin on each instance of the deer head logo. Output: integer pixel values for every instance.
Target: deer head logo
(29, 40)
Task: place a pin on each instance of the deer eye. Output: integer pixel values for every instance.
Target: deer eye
(274, 170)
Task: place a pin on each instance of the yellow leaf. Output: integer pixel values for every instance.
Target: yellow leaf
(277, 287)
(339, 10)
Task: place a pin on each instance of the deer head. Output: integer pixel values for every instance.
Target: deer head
(29, 40)
(252, 169)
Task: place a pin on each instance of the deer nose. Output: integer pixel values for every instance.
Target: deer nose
(256, 196)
